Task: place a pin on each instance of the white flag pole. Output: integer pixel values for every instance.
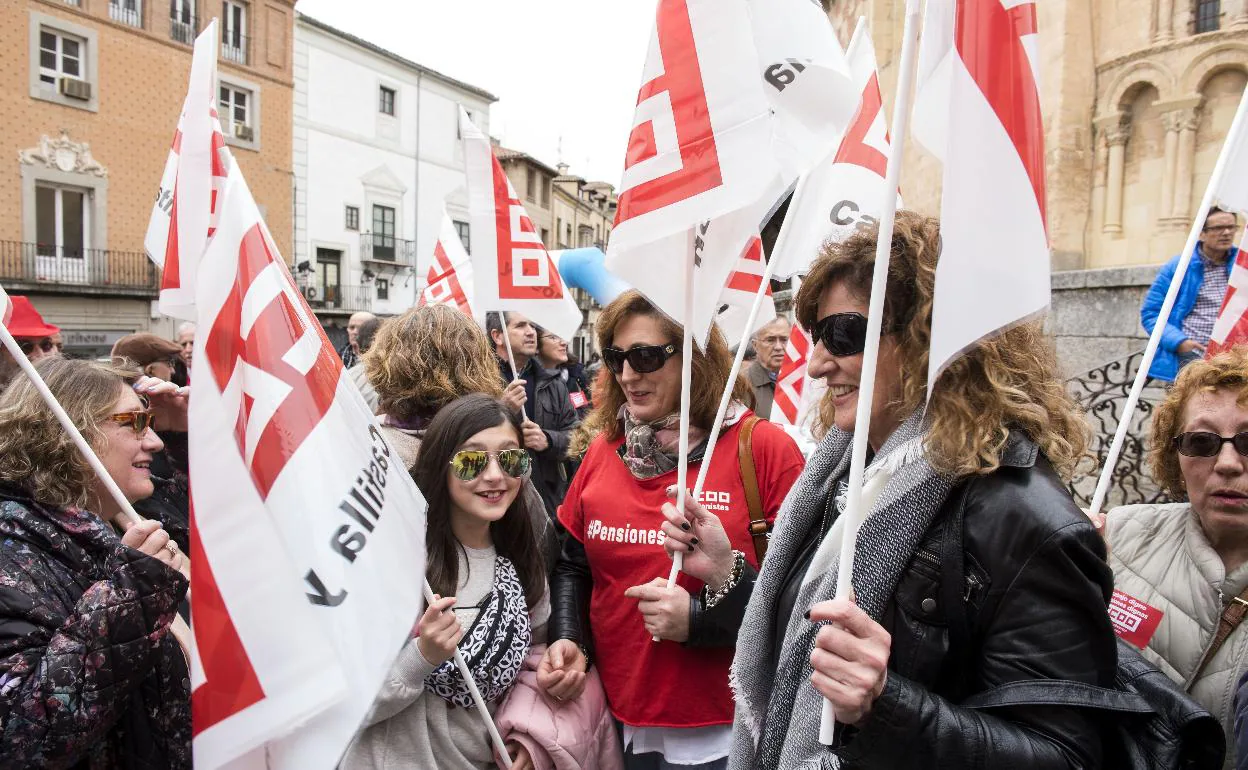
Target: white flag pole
(686, 385)
(511, 358)
(854, 514)
(499, 745)
(1233, 137)
(726, 399)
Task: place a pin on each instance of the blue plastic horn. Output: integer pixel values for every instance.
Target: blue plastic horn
(585, 269)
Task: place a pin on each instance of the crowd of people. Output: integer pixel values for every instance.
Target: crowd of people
(979, 632)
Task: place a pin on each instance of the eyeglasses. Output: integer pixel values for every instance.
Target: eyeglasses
(1203, 443)
(772, 341)
(1221, 229)
(46, 345)
(139, 420)
(467, 464)
(842, 334)
(643, 358)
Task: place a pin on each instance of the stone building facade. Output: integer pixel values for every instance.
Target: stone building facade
(1138, 96)
(90, 91)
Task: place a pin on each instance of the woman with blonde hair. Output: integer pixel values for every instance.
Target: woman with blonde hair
(90, 674)
(678, 710)
(973, 568)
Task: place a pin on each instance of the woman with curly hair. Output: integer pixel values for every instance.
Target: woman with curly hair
(1189, 560)
(678, 711)
(973, 567)
(90, 675)
(421, 361)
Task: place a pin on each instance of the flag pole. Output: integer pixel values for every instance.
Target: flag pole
(726, 399)
(511, 358)
(854, 514)
(499, 745)
(1154, 340)
(686, 385)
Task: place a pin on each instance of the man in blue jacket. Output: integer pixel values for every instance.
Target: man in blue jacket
(1200, 297)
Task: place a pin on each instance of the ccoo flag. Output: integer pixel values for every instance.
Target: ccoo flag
(978, 110)
(449, 281)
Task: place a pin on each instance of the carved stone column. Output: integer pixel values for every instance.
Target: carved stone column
(1187, 121)
(1173, 122)
(1165, 21)
(1116, 139)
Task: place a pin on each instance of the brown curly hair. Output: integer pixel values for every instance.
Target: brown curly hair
(709, 374)
(1008, 381)
(1227, 370)
(36, 453)
(426, 358)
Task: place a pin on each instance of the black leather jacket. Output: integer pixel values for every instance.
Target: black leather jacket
(1035, 596)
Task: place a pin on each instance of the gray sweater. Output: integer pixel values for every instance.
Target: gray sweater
(408, 728)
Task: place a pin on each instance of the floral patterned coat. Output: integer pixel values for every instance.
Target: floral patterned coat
(90, 676)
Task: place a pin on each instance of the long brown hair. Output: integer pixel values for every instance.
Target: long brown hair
(710, 371)
(513, 534)
(1010, 380)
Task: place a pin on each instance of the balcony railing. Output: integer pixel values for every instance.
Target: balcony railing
(132, 16)
(375, 247)
(234, 47)
(184, 30)
(38, 265)
(339, 297)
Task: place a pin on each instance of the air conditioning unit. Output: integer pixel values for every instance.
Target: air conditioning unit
(243, 133)
(75, 88)
(309, 293)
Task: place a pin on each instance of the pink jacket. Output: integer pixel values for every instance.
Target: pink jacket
(576, 735)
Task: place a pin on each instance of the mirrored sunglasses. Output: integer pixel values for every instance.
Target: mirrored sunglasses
(1203, 443)
(643, 358)
(467, 464)
(138, 421)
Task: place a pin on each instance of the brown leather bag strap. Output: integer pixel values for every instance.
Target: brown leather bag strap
(745, 453)
(1232, 616)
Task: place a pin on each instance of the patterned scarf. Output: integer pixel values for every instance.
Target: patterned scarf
(494, 647)
(777, 715)
(652, 448)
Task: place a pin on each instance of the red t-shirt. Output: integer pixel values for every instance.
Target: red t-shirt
(617, 518)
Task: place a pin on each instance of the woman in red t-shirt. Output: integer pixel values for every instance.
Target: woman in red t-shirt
(609, 591)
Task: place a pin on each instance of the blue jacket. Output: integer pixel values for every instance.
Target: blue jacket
(1166, 362)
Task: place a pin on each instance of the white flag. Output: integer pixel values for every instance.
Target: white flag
(845, 191)
(738, 296)
(978, 110)
(796, 403)
(6, 307)
(1233, 192)
(187, 203)
(510, 267)
(449, 281)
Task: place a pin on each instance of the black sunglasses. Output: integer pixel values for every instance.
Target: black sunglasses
(842, 334)
(46, 345)
(1203, 443)
(644, 358)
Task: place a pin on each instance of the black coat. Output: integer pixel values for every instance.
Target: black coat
(549, 406)
(1035, 596)
(90, 676)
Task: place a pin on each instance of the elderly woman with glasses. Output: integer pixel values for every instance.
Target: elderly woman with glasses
(1181, 569)
(90, 674)
(671, 696)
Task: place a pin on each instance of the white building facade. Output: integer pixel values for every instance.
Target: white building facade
(377, 159)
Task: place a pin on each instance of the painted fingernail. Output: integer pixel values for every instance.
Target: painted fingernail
(806, 614)
(694, 541)
(691, 548)
(685, 526)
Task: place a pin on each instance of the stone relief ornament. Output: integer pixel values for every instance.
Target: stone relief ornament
(63, 154)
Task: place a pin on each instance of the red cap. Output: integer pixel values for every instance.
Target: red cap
(27, 322)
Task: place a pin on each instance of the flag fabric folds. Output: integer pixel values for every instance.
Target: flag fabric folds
(449, 281)
(307, 536)
(510, 266)
(738, 296)
(1231, 328)
(845, 192)
(978, 110)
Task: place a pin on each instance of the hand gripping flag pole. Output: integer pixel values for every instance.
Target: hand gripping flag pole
(1233, 139)
(854, 514)
(511, 357)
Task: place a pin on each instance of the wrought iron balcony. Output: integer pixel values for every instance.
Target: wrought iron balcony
(386, 249)
(39, 266)
(235, 47)
(1102, 392)
(339, 297)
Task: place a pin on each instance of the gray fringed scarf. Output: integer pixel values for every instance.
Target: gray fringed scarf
(777, 714)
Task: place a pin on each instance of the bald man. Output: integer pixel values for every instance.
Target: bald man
(351, 351)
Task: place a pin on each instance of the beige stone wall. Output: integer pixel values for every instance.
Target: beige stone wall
(1136, 107)
(140, 84)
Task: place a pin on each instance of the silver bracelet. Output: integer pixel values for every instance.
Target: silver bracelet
(711, 598)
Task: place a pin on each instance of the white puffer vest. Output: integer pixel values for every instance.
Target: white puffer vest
(1161, 556)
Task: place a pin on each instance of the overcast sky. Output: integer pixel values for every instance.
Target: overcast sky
(563, 70)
